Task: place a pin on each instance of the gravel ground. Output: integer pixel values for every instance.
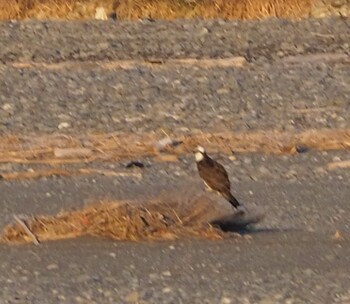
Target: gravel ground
(290, 258)
(81, 41)
(276, 96)
(269, 92)
(237, 271)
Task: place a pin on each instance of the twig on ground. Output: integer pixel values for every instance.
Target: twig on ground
(26, 229)
(339, 165)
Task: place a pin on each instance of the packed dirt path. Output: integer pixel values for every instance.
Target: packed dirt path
(143, 82)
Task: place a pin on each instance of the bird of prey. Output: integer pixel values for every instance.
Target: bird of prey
(214, 176)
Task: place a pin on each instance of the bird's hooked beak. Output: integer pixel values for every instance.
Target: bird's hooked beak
(199, 149)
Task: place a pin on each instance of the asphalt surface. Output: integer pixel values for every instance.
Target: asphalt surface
(290, 257)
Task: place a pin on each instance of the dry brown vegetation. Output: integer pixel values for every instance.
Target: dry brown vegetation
(64, 149)
(57, 150)
(156, 219)
(156, 9)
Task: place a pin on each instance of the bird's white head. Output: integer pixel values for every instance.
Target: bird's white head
(199, 153)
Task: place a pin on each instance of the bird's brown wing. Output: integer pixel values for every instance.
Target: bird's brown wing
(215, 176)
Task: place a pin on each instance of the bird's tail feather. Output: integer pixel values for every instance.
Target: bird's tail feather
(233, 201)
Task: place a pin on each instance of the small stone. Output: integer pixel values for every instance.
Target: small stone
(308, 272)
(153, 276)
(135, 163)
(112, 255)
(79, 299)
(52, 267)
(7, 107)
(291, 174)
(115, 119)
(63, 125)
(223, 91)
(247, 160)
(225, 300)
(203, 31)
(166, 290)
(320, 171)
(166, 273)
(280, 54)
(301, 149)
(177, 173)
(63, 117)
(132, 297)
(264, 170)
(82, 278)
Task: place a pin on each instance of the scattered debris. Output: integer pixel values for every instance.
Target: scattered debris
(125, 146)
(26, 229)
(167, 142)
(100, 13)
(301, 149)
(337, 236)
(63, 125)
(72, 152)
(339, 165)
(135, 163)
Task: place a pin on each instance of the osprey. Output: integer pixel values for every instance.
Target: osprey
(214, 176)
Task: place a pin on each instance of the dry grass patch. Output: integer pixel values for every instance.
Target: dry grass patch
(156, 219)
(156, 9)
(58, 150)
(63, 149)
(210, 9)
